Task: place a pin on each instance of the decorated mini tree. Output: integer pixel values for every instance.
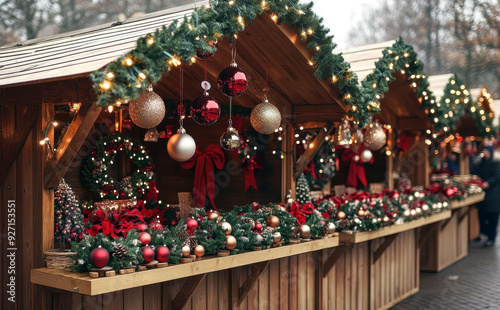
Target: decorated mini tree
(68, 218)
(303, 195)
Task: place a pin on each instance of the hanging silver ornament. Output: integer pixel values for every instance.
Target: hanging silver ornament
(375, 137)
(342, 135)
(265, 118)
(230, 139)
(366, 156)
(181, 146)
(148, 110)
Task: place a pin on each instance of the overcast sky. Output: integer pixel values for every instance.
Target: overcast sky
(340, 16)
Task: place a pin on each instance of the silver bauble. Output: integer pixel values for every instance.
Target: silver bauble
(374, 137)
(230, 139)
(148, 110)
(181, 146)
(366, 156)
(265, 118)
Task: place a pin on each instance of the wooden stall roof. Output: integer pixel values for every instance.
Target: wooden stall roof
(78, 53)
(400, 106)
(437, 83)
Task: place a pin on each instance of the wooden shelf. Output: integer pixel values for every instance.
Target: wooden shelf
(456, 204)
(394, 229)
(83, 284)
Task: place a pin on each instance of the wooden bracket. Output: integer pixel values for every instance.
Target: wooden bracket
(463, 215)
(333, 258)
(445, 223)
(15, 142)
(250, 282)
(308, 155)
(428, 232)
(381, 248)
(70, 144)
(187, 291)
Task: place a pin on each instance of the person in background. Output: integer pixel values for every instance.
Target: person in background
(487, 166)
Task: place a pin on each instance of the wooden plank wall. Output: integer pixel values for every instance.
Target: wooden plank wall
(395, 275)
(463, 233)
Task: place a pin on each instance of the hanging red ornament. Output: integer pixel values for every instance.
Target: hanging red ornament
(204, 56)
(141, 227)
(144, 238)
(162, 253)
(205, 110)
(99, 257)
(232, 81)
(148, 254)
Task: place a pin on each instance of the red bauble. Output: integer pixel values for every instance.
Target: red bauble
(204, 56)
(162, 253)
(156, 225)
(258, 226)
(144, 238)
(174, 222)
(232, 81)
(141, 227)
(148, 254)
(191, 223)
(205, 110)
(99, 257)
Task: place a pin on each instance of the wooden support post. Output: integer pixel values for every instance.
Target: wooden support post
(463, 215)
(318, 278)
(287, 163)
(15, 143)
(308, 155)
(430, 229)
(71, 143)
(381, 249)
(446, 222)
(250, 282)
(333, 258)
(187, 291)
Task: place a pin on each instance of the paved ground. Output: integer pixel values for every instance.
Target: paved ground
(472, 283)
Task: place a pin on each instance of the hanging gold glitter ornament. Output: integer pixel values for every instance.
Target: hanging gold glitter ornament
(375, 137)
(265, 117)
(148, 110)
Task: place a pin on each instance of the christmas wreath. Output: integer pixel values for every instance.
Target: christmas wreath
(96, 175)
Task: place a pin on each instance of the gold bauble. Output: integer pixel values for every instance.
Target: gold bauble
(226, 227)
(186, 250)
(265, 118)
(330, 227)
(230, 243)
(341, 215)
(375, 137)
(199, 250)
(360, 213)
(148, 110)
(273, 221)
(305, 231)
(277, 237)
(212, 215)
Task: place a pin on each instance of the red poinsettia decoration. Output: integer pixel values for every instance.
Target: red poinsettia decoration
(115, 224)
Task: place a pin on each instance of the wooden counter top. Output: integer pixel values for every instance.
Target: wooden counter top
(473, 199)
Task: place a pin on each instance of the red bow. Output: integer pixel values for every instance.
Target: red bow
(204, 177)
(356, 168)
(248, 169)
(300, 212)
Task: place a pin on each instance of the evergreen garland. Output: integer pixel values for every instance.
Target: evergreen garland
(169, 239)
(484, 119)
(302, 191)
(68, 218)
(125, 78)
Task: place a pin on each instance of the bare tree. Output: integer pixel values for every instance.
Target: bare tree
(25, 18)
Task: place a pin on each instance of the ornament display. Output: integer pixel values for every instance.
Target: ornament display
(99, 257)
(199, 250)
(186, 250)
(232, 81)
(148, 254)
(212, 215)
(191, 223)
(375, 137)
(273, 221)
(230, 139)
(162, 253)
(265, 118)
(230, 243)
(226, 227)
(205, 110)
(181, 146)
(366, 155)
(276, 237)
(145, 238)
(341, 215)
(305, 231)
(140, 227)
(204, 56)
(148, 110)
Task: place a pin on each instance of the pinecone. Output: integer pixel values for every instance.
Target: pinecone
(120, 252)
(192, 242)
(182, 235)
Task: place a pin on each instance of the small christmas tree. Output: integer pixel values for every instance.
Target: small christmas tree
(68, 218)
(303, 195)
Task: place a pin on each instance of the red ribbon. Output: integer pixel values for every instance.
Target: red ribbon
(248, 169)
(301, 212)
(204, 177)
(356, 168)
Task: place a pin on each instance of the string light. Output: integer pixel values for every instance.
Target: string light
(150, 41)
(127, 61)
(110, 75)
(334, 78)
